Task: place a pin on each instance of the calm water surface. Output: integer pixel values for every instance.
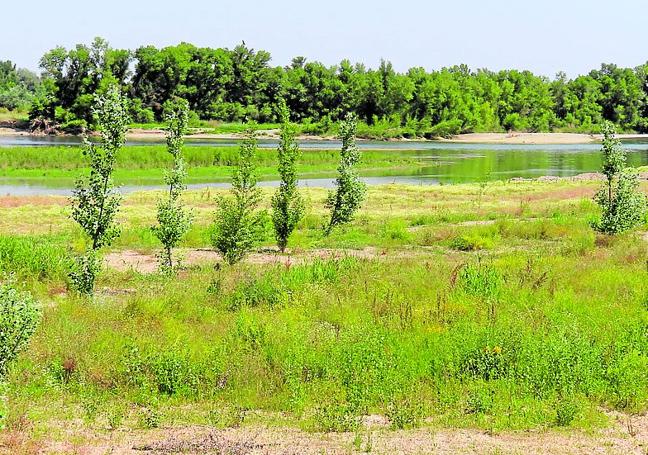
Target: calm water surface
(439, 162)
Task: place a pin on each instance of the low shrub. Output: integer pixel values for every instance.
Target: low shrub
(19, 316)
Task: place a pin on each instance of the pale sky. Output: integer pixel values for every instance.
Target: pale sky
(544, 36)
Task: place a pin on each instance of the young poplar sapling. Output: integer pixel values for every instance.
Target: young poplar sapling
(173, 219)
(95, 201)
(349, 193)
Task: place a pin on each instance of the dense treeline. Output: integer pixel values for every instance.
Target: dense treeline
(241, 84)
(18, 86)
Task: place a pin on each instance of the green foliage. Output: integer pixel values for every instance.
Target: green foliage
(471, 242)
(19, 316)
(566, 411)
(226, 417)
(287, 204)
(236, 85)
(173, 219)
(84, 272)
(74, 79)
(336, 416)
(32, 256)
(349, 193)
(17, 87)
(404, 412)
(95, 202)
(239, 224)
(479, 279)
(623, 204)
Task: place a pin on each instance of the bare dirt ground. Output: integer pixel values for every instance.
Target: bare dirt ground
(524, 138)
(147, 263)
(19, 201)
(625, 436)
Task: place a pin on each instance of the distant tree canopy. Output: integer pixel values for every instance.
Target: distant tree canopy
(241, 84)
(17, 86)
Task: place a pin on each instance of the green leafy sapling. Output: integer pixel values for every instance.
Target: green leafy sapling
(623, 205)
(287, 203)
(174, 220)
(239, 224)
(349, 193)
(19, 316)
(95, 201)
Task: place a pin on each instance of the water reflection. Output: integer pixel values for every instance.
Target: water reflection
(438, 162)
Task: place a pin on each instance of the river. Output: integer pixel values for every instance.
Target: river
(439, 162)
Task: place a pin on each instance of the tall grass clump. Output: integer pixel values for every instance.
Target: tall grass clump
(36, 257)
(349, 192)
(239, 224)
(621, 202)
(95, 201)
(174, 220)
(287, 203)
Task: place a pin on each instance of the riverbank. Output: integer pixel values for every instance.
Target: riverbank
(469, 138)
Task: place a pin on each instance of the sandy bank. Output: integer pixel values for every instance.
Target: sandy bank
(534, 138)
(471, 138)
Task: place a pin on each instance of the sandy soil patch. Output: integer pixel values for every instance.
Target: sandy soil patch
(262, 134)
(147, 263)
(534, 138)
(623, 437)
(19, 201)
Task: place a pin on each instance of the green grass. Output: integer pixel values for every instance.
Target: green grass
(530, 321)
(12, 116)
(146, 164)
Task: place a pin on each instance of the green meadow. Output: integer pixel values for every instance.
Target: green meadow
(490, 306)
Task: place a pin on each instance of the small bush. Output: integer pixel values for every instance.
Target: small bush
(173, 372)
(471, 243)
(487, 363)
(19, 316)
(479, 280)
(336, 417)
(566, 411)
(405, 412)
(84, 272)
(150, 417)
(239, 225)
(226, 417)
(479, 402)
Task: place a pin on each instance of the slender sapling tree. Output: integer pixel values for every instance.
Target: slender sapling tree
(239, 224)
(623, 205)
(287, 204)
(174, 220)
(350, 191)
(95, 201)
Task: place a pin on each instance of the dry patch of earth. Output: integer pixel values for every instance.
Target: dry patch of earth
(127, 260)
(624, 437)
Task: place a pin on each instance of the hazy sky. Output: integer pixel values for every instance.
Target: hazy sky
(544, 36)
